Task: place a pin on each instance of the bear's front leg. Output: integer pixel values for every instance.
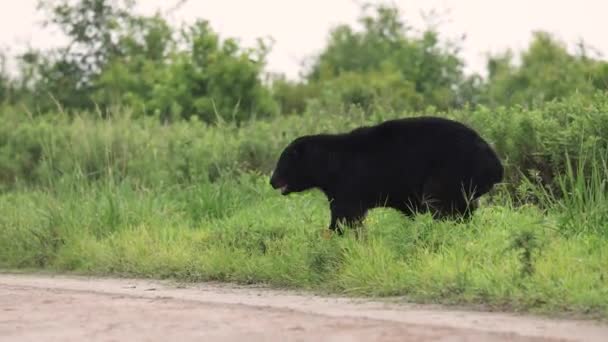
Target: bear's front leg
(344, 213)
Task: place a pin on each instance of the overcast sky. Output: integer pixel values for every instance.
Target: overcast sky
(300, 27)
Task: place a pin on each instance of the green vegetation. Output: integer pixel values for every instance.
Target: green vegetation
(116, 58)
(192, 201)
(145, 151)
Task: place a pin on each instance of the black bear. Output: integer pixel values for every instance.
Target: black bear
(413, 165)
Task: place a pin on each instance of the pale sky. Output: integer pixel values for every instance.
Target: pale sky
(300, 28)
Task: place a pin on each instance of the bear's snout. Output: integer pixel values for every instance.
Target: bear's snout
(276, 183)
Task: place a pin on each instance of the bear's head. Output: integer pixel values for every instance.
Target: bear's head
(293, 172)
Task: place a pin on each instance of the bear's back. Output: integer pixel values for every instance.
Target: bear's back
(421, 134)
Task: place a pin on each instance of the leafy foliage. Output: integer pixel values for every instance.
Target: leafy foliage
(547, 72)
(208, 78)
(116, 58)
(385, 62)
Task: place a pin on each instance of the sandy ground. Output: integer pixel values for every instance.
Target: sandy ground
(62, 308)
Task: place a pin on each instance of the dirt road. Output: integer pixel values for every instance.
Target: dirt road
(59, 308)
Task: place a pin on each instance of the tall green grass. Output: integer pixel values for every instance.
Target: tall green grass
(581, 202)
(506, 256)
(45, 149)
(191, 201)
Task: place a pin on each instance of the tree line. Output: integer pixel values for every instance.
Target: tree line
(116, 58)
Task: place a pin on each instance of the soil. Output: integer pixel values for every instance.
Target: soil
(70, 308)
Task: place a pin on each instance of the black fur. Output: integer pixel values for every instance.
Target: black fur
(412, 165)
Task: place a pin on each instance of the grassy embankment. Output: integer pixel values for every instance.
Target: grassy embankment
(129, 196)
